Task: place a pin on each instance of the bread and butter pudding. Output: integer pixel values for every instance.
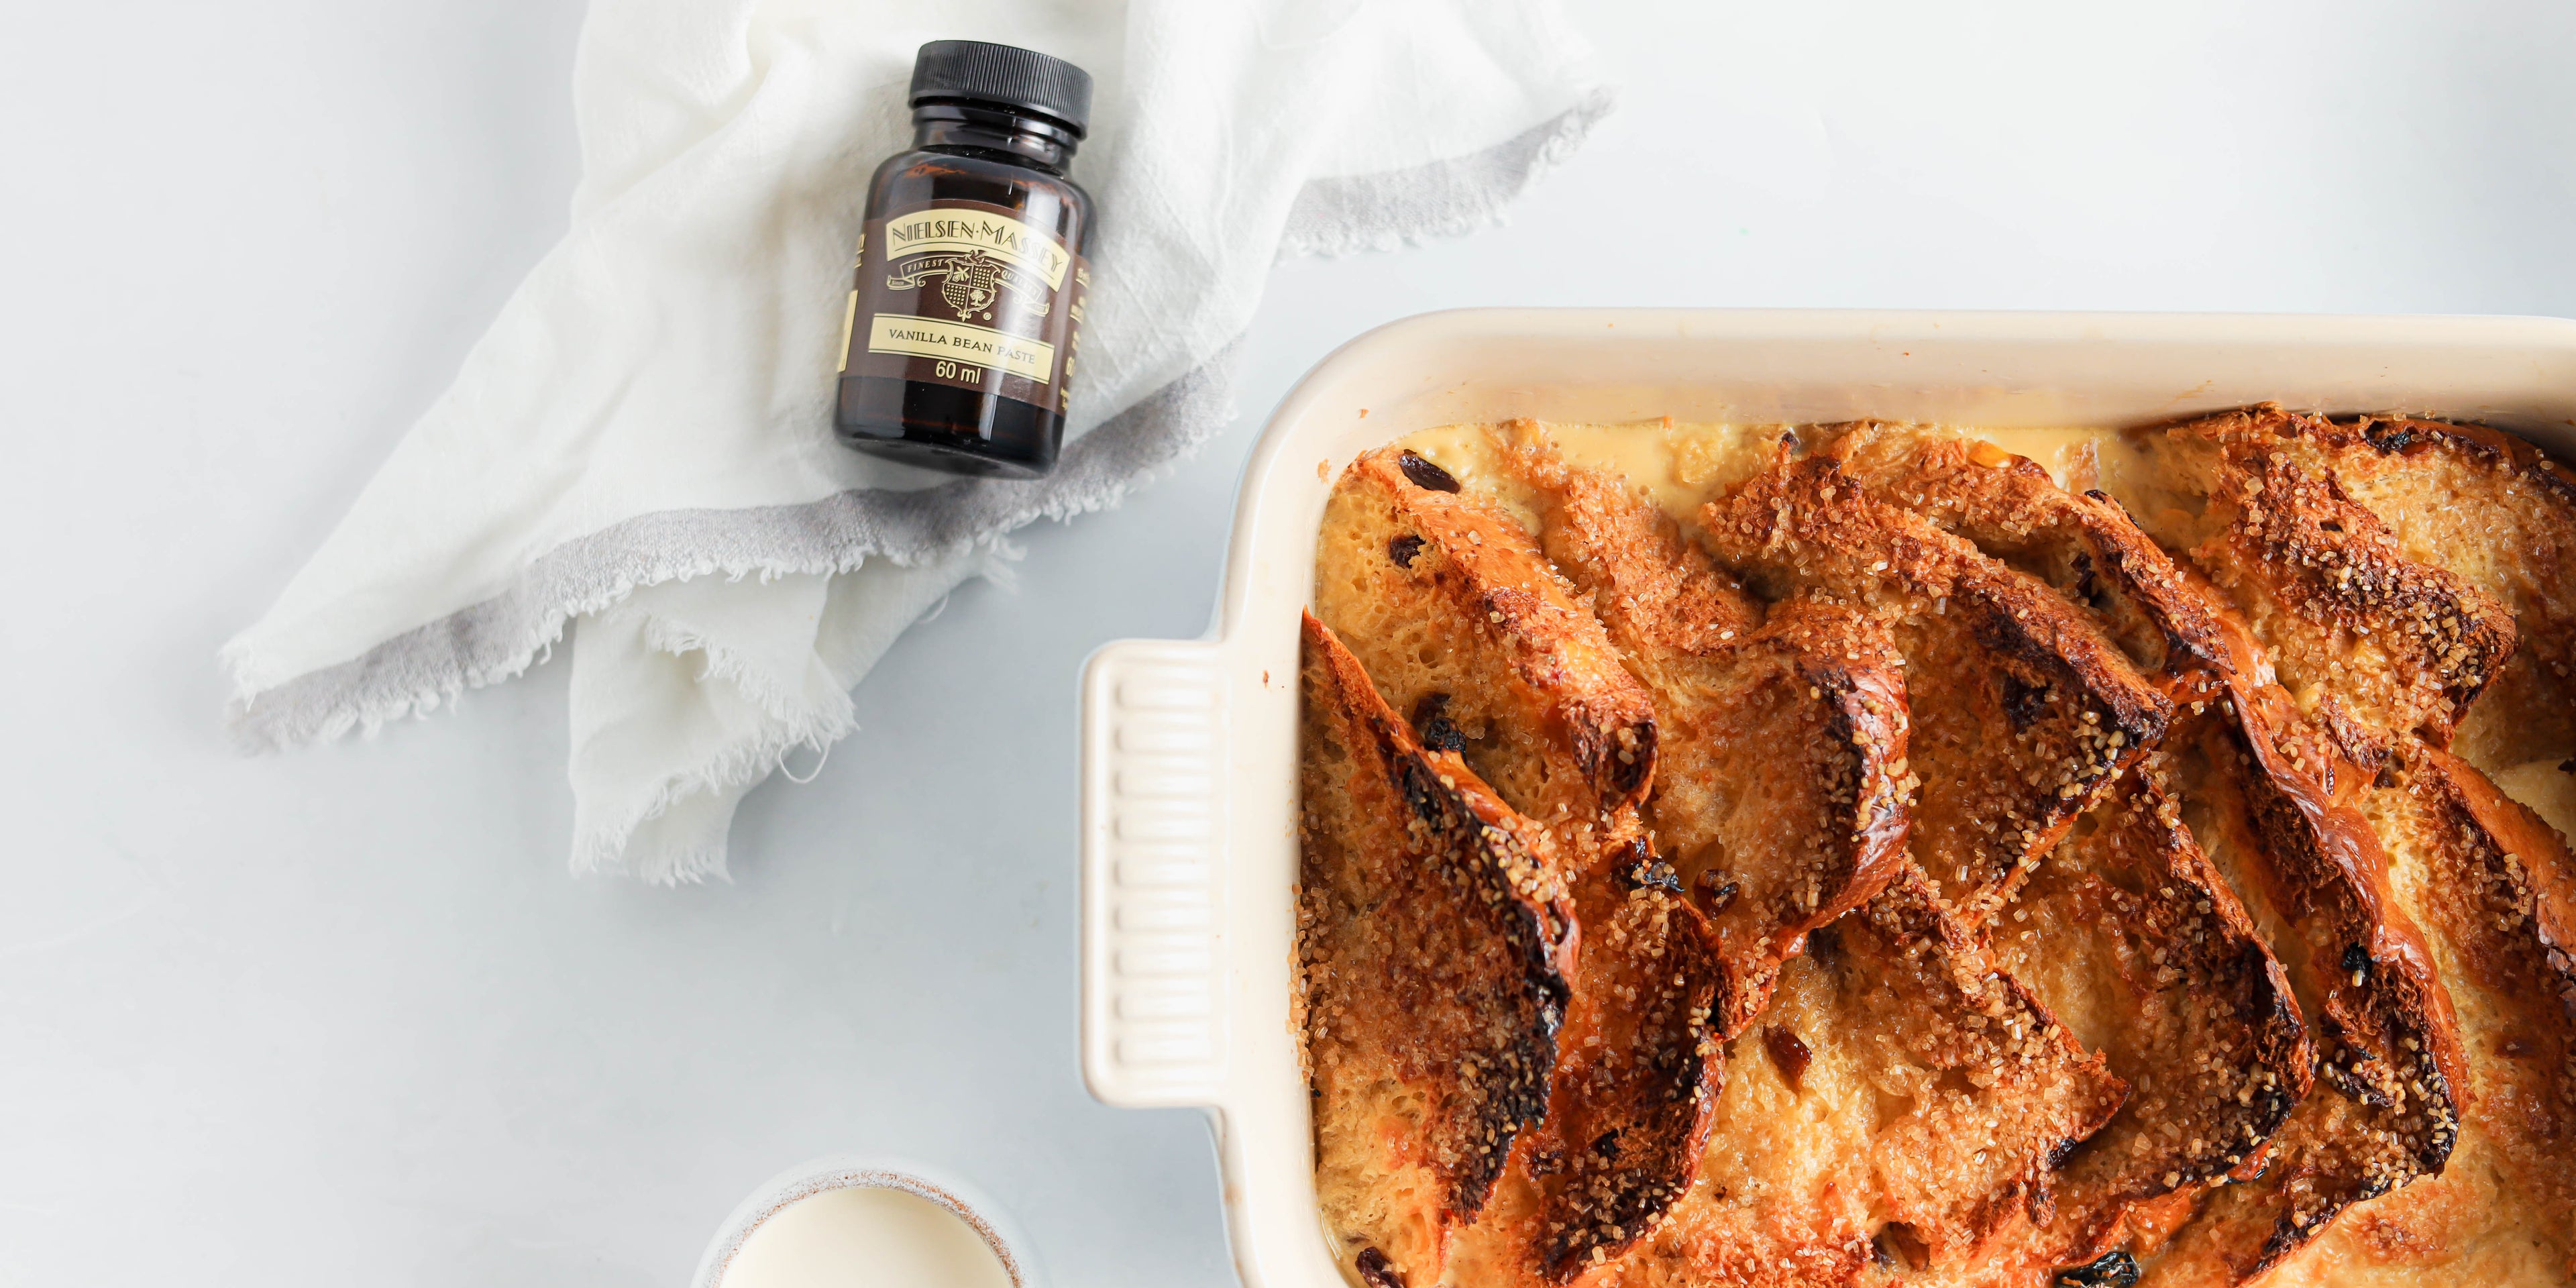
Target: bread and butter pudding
(1884, 853)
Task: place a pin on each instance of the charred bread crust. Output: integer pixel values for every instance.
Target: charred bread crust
(1781, 796)
(2497, 512)
(2406, 646)
(2085, 544)
(2384, 1108)
(1435, 947)
(2494, 889)
(2023, 712)
(1636, 1080)
(2196, 1015)
(1461, 620)
(1631, 1101)
(2001, 1092)
(1907, 1104)
(1452, 608)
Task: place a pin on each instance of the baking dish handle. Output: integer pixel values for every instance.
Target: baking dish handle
(1154, 819)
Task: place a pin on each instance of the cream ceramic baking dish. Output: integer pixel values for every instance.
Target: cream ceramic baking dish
(1189, 853)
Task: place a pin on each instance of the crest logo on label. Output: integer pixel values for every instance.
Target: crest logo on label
(970, 284)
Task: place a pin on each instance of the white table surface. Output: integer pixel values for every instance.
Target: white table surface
(343, 1018)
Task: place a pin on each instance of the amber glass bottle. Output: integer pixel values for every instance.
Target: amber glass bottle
(966, 315)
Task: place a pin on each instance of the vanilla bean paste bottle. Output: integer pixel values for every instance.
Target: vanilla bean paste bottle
(966, 316)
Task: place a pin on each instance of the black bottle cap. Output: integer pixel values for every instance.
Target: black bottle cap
(1006, 74)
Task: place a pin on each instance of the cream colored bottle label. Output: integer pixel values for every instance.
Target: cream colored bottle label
(966, 294)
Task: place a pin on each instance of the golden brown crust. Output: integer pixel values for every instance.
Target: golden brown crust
(2082, 543)
(1636, 1080)
(1780, 793)
(1908, 1104)
(2495, 891)
(2384, 1107)
(2127, 930)
(2130, 932)
(2493, 510)
(2399, 644)
(2023, 711)
(1457, 616)
(1959, 1017)
(1435, 947)
(2276, 834)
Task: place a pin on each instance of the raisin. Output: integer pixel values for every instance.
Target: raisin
(2088, 588)
(1424, 474)
(2356, 960)
(1825, 947)
(1790, 1052)
(1432, 724)
(1403, 549)
(1377, 1272)
(2389, 439)
(1712, 893)
(1651, 874)
(2114, 1270)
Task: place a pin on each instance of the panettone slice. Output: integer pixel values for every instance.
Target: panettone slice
(1901, 1105)
(1459, 619)
(2127, 931)
(1637, 1080)
(2365, 638)
(1467, 630)
(2023, 711)
(2494, 890)
(1435, 944)
(2276, 806)
(1781, 788)
(2494, 511)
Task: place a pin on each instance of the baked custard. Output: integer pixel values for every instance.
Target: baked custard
(1885, 853)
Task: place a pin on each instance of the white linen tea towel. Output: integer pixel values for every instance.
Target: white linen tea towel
(643, 438)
